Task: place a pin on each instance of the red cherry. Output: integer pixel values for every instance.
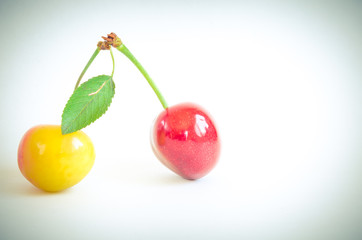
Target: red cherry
(185, 139)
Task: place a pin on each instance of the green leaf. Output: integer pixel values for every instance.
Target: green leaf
(87, 103)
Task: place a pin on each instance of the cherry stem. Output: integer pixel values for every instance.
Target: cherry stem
(110, 50)
(87, 66)
(123, 49)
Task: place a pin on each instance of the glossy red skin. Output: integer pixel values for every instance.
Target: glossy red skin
(185, 139)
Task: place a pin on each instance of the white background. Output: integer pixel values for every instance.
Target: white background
(281, 78)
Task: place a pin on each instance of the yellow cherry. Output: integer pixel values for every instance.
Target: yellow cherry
(52, 161)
